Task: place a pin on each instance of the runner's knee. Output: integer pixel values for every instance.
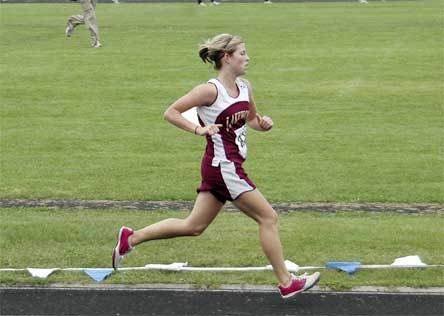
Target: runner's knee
(269, 219)
(195, 229)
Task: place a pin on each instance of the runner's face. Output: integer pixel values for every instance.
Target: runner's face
(239, 59)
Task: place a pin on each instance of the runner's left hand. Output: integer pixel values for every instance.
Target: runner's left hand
(265, 122)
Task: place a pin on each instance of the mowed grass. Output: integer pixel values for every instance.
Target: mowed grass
(48, 238)
(355, 92)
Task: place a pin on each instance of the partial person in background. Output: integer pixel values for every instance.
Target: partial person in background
(214, 2)
(88, 18)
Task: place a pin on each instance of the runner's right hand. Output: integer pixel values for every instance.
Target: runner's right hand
(208, 130)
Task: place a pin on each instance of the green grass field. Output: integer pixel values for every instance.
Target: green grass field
(65, 238)
(355, 92)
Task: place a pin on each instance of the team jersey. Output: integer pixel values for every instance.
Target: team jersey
(230, 144)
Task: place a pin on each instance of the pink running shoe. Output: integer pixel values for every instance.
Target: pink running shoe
(299, 284)
(122, 247)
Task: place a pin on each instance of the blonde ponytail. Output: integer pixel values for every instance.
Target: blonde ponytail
(214, 49)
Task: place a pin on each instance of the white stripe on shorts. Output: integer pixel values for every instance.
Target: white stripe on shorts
(219, 150)
(235, 185)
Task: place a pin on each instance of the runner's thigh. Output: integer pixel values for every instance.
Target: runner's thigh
(206, 207)
(254, 204)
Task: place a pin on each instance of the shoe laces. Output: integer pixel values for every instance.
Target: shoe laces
(300, 277)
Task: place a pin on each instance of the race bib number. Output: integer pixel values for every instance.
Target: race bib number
(241, 140)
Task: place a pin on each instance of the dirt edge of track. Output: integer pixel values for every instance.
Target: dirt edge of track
(415, 208)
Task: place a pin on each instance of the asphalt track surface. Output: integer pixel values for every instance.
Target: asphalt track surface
(191, 302)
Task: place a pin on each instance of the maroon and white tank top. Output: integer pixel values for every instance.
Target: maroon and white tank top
(230, 144)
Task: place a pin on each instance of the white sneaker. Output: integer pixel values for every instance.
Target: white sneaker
(116, 1)
(267, 2)
(299, 284)
(363, 1)
(202, 4)
(69, 29)
(97, 45)
(311, 280)
(215, 3)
